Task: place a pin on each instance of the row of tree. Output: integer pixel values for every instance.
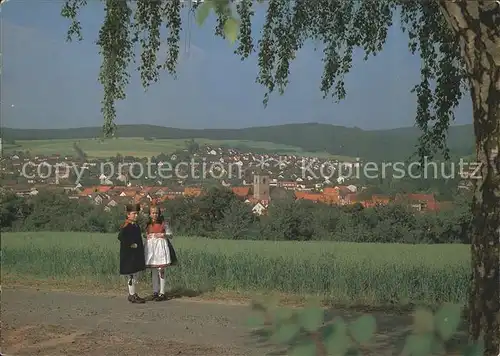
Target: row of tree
(221, 214)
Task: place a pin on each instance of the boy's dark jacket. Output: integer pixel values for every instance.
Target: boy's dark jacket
(131, 259)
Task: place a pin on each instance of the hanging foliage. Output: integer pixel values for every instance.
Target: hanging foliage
(127, 24)
(341, 26)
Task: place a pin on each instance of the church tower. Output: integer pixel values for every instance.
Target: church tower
(261, 187)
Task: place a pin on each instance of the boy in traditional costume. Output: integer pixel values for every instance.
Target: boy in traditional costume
(131, 251)
(158, 251)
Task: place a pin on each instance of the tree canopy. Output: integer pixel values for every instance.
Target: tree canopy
(341, 26)
(458, 42)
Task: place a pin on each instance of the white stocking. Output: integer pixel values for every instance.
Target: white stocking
(161, 272)
(131, 284)
(156, 280)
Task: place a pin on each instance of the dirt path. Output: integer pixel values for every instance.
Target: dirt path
(60, 323)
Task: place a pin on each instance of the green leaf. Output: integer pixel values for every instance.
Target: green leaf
(447, 320)
(286, 332)
(363, 329)
(419, 345)
(306, 348)
(283, 314)
(311, 318)
(231, 29)
(255, 321)
(203, 11)
(423, 321)
(473, 350)
(335, 337)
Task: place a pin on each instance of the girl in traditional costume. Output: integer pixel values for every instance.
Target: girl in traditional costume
(131, 251)
(158, 251)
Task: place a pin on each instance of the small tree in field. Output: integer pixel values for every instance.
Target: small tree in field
(459, 44)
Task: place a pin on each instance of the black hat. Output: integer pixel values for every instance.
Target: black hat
(133, 208)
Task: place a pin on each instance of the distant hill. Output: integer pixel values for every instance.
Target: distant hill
(389, 145)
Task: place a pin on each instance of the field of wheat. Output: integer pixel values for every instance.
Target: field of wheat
(344, 273)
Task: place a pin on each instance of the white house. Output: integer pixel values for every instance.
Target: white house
(258, 209)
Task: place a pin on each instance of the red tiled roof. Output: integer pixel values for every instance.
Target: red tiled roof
(421, 197)
(241, 191)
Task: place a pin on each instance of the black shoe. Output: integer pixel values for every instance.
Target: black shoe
(134, 298)
(160, 297)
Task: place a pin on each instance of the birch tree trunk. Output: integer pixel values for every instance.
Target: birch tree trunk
(478, 25)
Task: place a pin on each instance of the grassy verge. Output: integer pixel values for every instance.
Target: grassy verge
(341, 273)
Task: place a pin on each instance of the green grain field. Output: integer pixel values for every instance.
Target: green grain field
(138, 147)
(343, 273)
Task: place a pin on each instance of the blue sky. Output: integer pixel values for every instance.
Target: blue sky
(53, 84)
